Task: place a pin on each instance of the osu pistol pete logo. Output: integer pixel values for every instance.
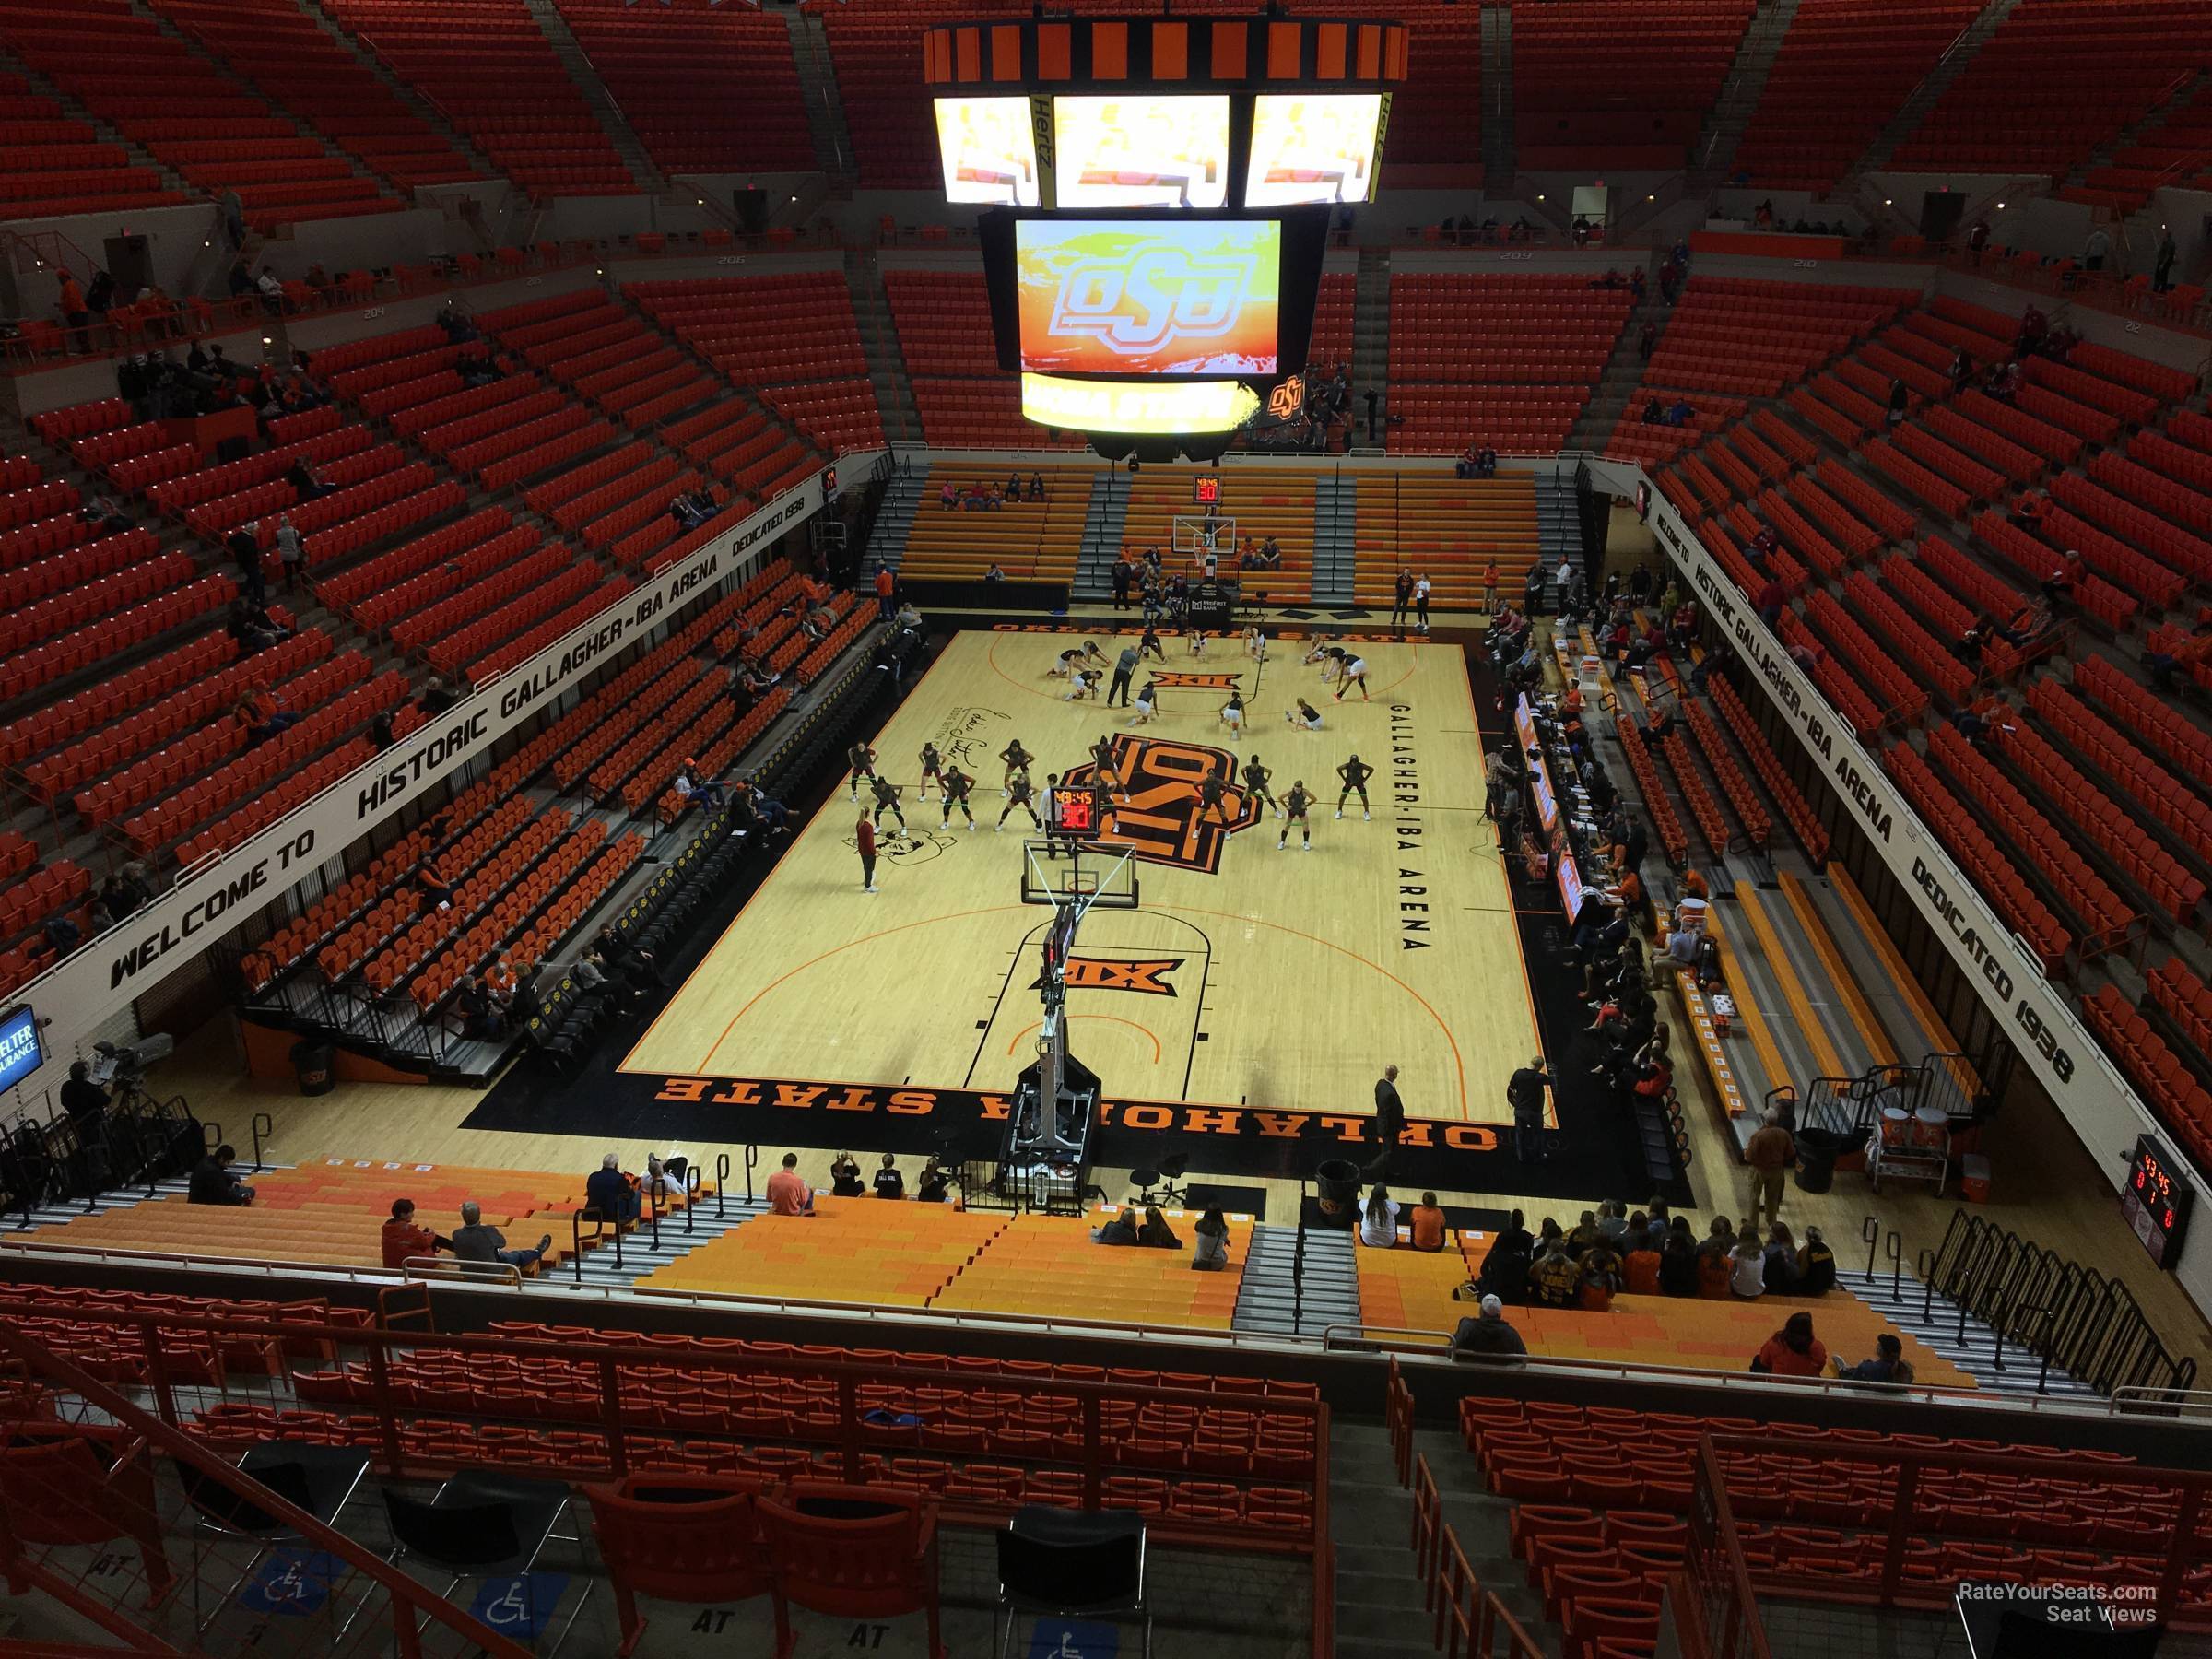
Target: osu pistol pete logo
(1099, 298)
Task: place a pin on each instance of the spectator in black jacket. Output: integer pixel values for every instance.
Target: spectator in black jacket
(212, 1182)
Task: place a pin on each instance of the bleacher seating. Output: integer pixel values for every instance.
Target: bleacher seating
(944, 322)
(1615, 84)
(1733, 338)
(1278, 505)
(489, 68)
(1451, 530)
(1506, 361)
(291, 61)
(1839, 71)
(792, 336)
(57, 164)
(2021, 103)
(707, 88)
(1047, 1265)
(185, 114)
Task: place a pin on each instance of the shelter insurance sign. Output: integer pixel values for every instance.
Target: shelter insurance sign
(2094, 1096)
(100, 979)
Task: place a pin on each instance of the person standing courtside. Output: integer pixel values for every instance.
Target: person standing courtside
(864, 839)
(1401, 600)
(1390, 1121)
(1125, 669)
(1524, 1093)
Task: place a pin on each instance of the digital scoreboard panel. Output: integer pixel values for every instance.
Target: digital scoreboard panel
(2157, 1200)
(988, 146)
(1322, 146)
(1151, 297)
(1141, 150)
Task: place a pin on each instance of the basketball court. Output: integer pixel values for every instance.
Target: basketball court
(1214, 970)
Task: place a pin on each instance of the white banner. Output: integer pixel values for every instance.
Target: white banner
(75, 995)
(2094, 1095)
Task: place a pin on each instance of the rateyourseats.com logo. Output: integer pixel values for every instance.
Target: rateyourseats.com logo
(1136, 306)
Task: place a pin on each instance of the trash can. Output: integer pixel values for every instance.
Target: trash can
(1336, 1186)
(311, 1063)
(1818, 1151)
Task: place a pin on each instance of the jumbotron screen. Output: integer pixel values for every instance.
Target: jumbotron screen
(1141, 150)
(1155, 297)
(989, 150)
(1313, 147)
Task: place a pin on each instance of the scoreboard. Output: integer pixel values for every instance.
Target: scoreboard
(2157, 1200)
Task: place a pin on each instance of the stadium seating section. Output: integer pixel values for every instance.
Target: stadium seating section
(1612, 84)
(1028, 540)
(1453, 531)
(1278, 505)
(1507, 361)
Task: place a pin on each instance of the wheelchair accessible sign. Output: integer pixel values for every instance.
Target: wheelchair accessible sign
(520, 1607)
(1059, 1638)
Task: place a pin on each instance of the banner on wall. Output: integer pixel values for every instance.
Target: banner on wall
(2091, 1092)
(99, 979)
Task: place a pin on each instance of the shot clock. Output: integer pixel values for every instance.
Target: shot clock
(1070, 814)
(2157, 1200)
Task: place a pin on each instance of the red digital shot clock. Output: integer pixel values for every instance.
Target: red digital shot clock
(2157, 1200)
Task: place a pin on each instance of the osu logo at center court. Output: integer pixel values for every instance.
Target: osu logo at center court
(1133, 306)
(1160, 819)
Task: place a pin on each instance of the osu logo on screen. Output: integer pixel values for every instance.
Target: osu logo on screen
(1134, 306)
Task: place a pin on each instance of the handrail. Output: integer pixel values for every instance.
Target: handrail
(722, 1182)
(410, 1601)
(576, 1239)
(752, 1157)
(263, 1124)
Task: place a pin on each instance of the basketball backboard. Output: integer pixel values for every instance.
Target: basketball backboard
(1079, 874)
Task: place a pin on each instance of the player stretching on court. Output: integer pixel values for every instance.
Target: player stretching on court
(862, 758)
(1255, 784)
(1149, 645)
(1232, 715)
(956, 784)
(1209, 796)
(1305, 716)
(1294, 812)
(1197, 640)
(1018, 759)
(1355, 674)
(1256, 643)
(1355, 773)
(887, 800)
(933, 768)
(1332, 663)
(1019, 792)
(1102, 800)
(1148, 702)
(1101, 759)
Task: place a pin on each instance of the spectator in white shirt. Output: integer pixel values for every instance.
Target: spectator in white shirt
(1379, 1219)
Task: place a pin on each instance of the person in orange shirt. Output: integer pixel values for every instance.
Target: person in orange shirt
(1640, 1271)
(885, 588)
(403, 1239)
(1428, 1224)
(1489, 588)
(788, 1194)
(1793, 1351)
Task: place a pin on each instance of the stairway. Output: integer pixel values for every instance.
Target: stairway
(641, 1256)
(879, 346)
(1559, 521)
(1714, 155)
(1370, 320)
(1104, 523)
(425, 111)
(1974, 1353)
(895, 518)
(825, 104)
(1380, 1601)
(1336, 525)
(1498, 152)
(1914, 110)
(2127, 137)
(1622, 373)
(577, 63)
(1266, 1299)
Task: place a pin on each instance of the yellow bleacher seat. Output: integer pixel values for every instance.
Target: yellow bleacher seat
(1448, 529)
(1031, 541)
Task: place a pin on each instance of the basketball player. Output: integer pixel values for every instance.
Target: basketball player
(1148, 702)
(1210, 789)
(887, 800)
(1197, 640)
(1354, 775)
(1022, 793)
(1255, 784)
(956, 784)
(1017, 758)
(1305, 716)
(1149, 645)
(1294, 812)
(1420, 601)
(862, 758)
(1082, 683)
(1355, 674)
(1256, 643)
(1316, 652)
(933, 768)
(1332, 663)
(1101, 800)
(1102, 759)
(1232, 715)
